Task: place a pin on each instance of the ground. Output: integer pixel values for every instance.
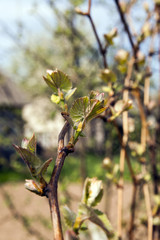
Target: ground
(24, 215)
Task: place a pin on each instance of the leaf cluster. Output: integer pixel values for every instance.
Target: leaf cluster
(92, 194)
(36, 167)
(82, 110)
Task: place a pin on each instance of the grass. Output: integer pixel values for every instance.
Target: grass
(71, 170)
(12, 176)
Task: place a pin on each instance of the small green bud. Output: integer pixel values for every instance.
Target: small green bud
(122, 56)
(108, 75)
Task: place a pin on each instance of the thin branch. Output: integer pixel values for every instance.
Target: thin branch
(144, 139)
(102, 49)
(123, 149)
(152, 53)
(133, 210)
(124, 138)
(148, 210)
(159, 71)
(62, 135)
(134, 47)
(89, 6)
(52, 187)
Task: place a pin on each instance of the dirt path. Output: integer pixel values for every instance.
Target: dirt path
(26, 216)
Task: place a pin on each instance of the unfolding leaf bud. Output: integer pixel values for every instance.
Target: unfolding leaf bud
(140, 58)
(24, 143)
(33, 187)
(157, 199)
(107, 164)
(128, 105)
(49, 71)
(109, 36)
(123, 6)
(92, 192)
(119, 106)
(55, 99)
(122, 56)
(113, 33)
(146, 30)
(108, 75)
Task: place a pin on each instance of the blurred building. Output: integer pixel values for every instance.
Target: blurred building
(42, 118)
(12, 100)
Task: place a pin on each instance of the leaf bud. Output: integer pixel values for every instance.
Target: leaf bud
(92, 192)
(108, 75)
(33, 187)
(122, 56)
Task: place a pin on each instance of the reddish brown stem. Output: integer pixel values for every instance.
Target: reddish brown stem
(52, 187)
(101, 49)
(133, 209)
(134, 47)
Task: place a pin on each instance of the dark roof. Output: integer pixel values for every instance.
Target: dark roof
(10, 93)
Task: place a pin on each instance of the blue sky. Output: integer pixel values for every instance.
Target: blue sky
(15, 11)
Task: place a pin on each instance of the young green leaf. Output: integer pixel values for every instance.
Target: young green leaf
(85, 109)
(32, 161)
(105, 224)
(95, 108)
(69, 216)
(70, 93)
(58, 80)
(78, 110)
(87, 213)
(43, 168)
(96, 95)
(109, 36)
(108, 75)
(32, 145)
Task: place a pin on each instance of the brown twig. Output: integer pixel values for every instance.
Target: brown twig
(133, 210)
(123, 149)
(149, 210)
(135, 185)
(134, 46)
(52, 187)
(144, 138)
(124, 138)
(102, 49)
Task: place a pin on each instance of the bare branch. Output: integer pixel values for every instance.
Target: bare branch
(134, 47)
(52, 187)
